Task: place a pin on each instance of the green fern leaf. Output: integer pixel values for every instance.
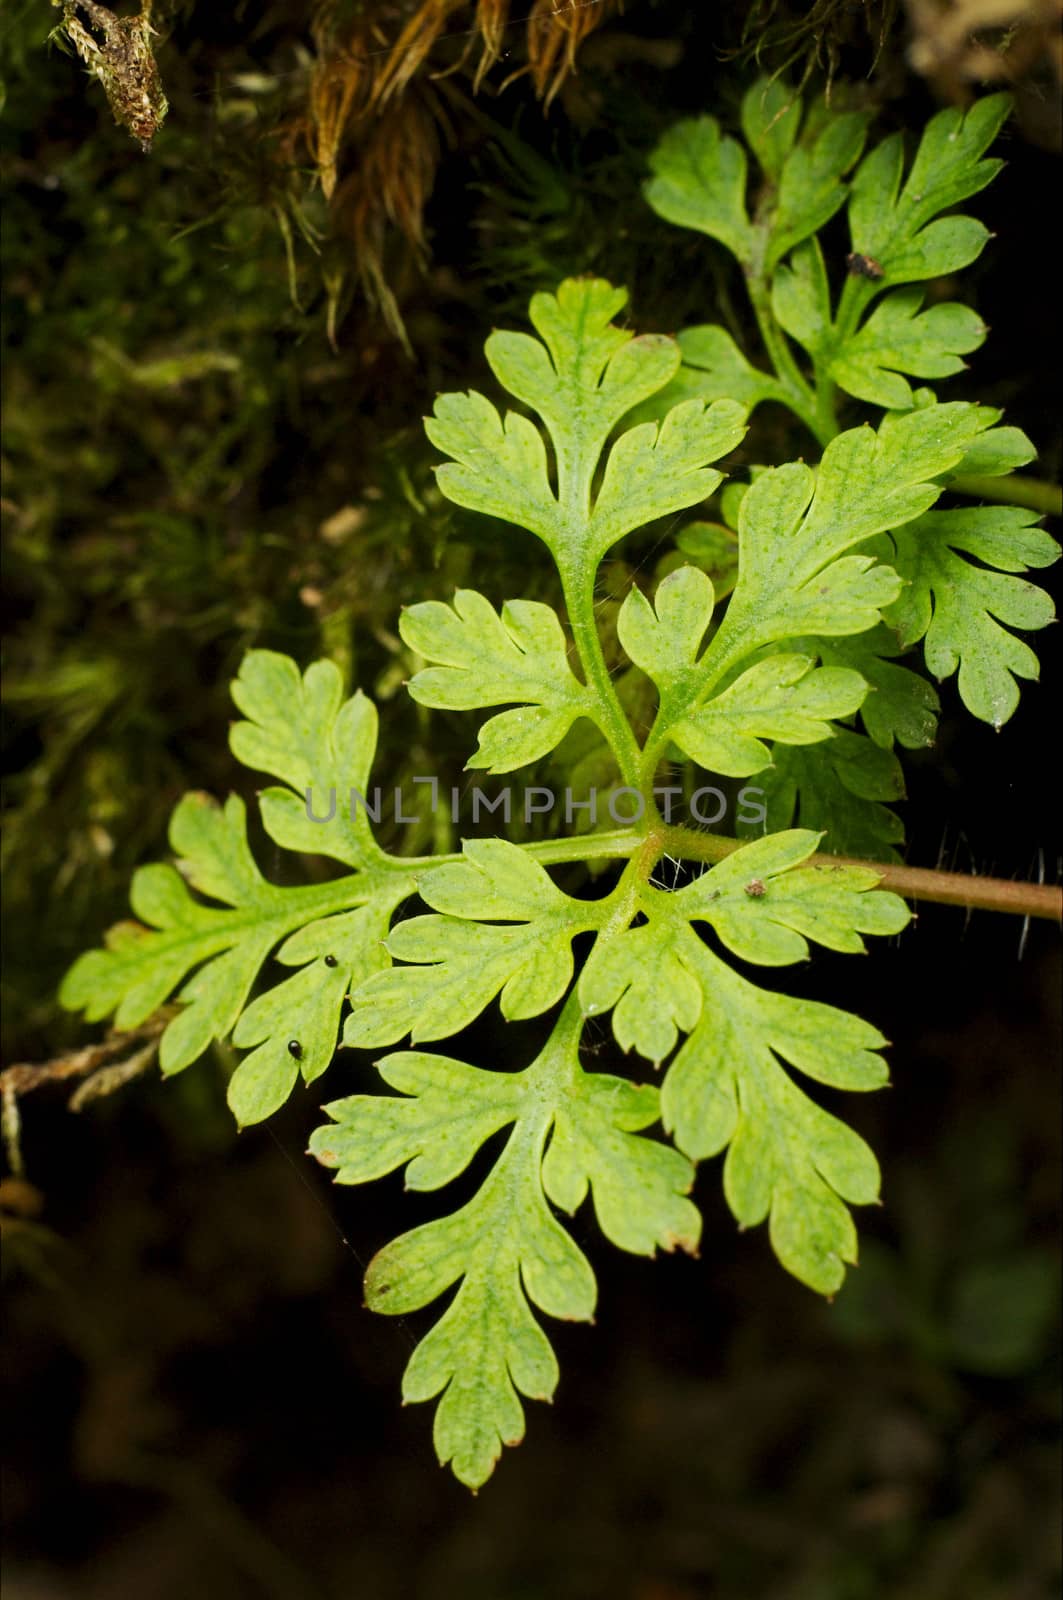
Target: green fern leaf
(300, 729)
(964, 611)
(572, 1133)
(787, 1159)
(838, 788)
(459, 962)
(487, 659)
(726, 1085)
(582, 379)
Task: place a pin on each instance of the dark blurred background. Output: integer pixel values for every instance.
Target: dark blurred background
(212, 391)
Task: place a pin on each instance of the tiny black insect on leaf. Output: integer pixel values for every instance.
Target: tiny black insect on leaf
(295, 1048)
(330, 961)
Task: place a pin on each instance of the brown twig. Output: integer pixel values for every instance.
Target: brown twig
(95, 1063)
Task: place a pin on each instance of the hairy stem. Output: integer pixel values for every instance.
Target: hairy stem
(1040, 900)
(915, 883)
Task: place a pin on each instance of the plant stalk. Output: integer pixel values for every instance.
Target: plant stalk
(1012, 490)
(579, 602)
(1041, 900)
(800, 396)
